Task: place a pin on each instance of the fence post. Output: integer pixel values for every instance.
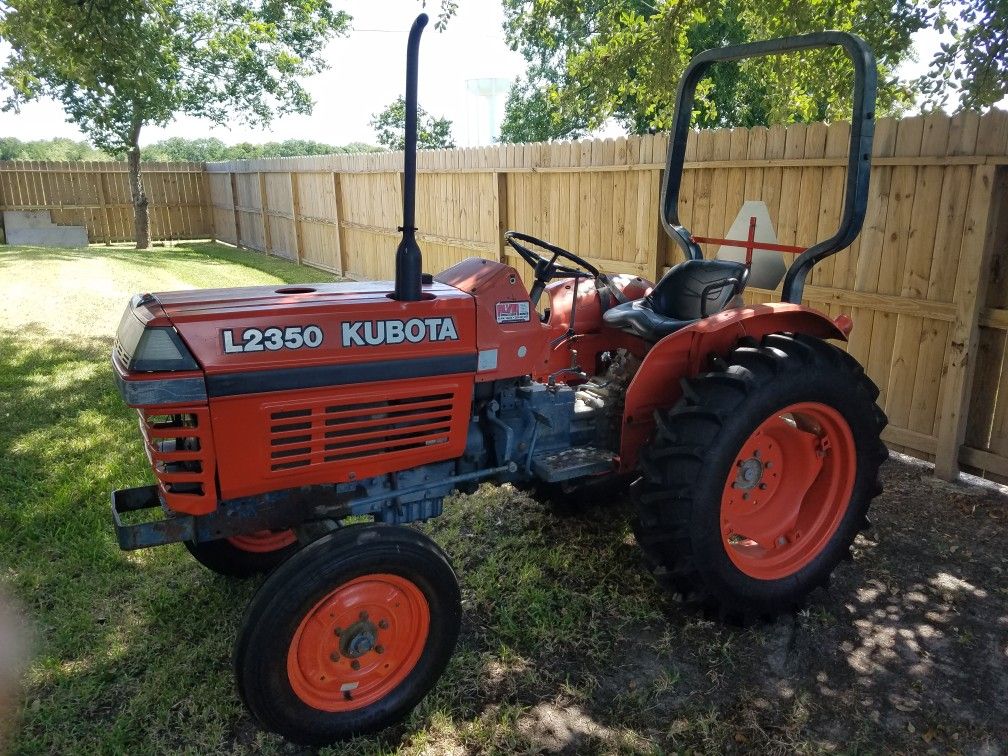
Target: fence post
(296, 212)
(103, 202)
(344, 256)
(208, 205)
(500, 202)
(267, 237)
(961, 357)
(234, 205)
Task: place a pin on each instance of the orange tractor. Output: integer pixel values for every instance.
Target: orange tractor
(274, 416)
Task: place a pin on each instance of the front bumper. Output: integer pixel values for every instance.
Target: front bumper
(273, 511)
(170, 529)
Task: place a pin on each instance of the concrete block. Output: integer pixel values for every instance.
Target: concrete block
(27, 219)
(54, 236)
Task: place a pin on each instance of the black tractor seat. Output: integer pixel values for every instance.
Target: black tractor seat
(690, 291)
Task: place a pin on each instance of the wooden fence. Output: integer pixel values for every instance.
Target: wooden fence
(926, 283)
(96, 194)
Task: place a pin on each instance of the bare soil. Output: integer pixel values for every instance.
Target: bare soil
(907, 651)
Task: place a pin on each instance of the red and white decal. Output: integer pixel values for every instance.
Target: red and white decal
(513, 312)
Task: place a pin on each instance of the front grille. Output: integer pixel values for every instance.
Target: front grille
(179, 447)
(330, 433)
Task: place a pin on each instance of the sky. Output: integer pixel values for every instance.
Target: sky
(367, 72)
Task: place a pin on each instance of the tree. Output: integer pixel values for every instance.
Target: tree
(531, 115)
(974, 61)
(210, 149)
(390, 128)
(119, 65)
(49, 149)
(597, 59)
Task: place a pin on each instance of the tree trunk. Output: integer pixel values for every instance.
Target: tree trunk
(141, 214)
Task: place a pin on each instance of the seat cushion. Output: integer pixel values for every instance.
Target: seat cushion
(679, 293)
(678, 299)
(640, 320)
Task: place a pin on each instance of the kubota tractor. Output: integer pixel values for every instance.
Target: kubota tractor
(273, 415)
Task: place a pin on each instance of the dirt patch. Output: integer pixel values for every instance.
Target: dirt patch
(907, 650)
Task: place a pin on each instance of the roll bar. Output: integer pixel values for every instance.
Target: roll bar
(859, 153)
(409, 260)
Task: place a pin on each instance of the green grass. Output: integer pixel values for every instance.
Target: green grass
(566, 643)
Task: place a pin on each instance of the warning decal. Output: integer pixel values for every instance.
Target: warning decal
(513, 312)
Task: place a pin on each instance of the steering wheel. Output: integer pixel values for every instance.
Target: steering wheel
(547, 269)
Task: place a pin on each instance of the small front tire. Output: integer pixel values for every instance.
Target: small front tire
(347, 636)
(247, 555)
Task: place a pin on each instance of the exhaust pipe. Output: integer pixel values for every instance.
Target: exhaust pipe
(409, 260)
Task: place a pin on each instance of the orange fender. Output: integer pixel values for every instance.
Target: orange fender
(686, 352)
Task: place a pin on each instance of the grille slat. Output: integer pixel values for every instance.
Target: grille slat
(327, 432)
(298, 435)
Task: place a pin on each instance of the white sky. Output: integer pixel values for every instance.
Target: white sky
(366, 72)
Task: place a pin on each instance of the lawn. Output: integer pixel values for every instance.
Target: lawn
(566, 643)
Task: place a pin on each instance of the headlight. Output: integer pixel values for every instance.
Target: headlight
(143, 349)
(161, 349)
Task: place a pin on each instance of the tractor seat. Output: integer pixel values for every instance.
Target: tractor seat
(691, 290)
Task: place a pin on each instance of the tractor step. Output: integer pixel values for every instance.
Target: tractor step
(574, 463)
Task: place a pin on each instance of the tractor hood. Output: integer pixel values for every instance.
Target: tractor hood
(268, 328)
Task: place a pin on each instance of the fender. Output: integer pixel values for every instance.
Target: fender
(686, 352)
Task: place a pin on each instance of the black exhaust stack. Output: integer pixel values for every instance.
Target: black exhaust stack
(409, 261)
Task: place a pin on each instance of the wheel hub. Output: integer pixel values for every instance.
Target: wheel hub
(358, 639)
(358, 643)
(750, 473)
(788, 489)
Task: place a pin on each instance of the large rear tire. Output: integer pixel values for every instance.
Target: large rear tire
(758, 480)
(246, 555)
(349, 634)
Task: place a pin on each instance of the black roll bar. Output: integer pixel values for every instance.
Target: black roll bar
(409, 260)
(859, 153)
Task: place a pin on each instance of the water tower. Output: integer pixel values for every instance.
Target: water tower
(485, 100)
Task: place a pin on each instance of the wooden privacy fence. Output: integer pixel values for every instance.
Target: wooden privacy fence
(96, 194)
(926, 283)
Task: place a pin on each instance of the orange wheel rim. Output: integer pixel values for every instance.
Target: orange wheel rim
(788, 490)
(263, 541)
(356, 645)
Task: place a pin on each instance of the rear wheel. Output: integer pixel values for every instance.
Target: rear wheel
(348, 635)
(245, 555)
(760, 477)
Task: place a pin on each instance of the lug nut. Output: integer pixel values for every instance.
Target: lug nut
(762, 486)
(338, 632)
(363, 616)
(383, 624)
(355, 664)
(334, 656)
(379, 650)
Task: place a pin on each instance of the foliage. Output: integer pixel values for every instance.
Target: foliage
(390, 129)
(974, 61)
(210, 149)
(49, 149)
(593, 60)
(119, 65)
(176, 148)
(531, 115)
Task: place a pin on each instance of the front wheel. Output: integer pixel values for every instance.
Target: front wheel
(349, 634)
(245, 555)
(760, 477)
